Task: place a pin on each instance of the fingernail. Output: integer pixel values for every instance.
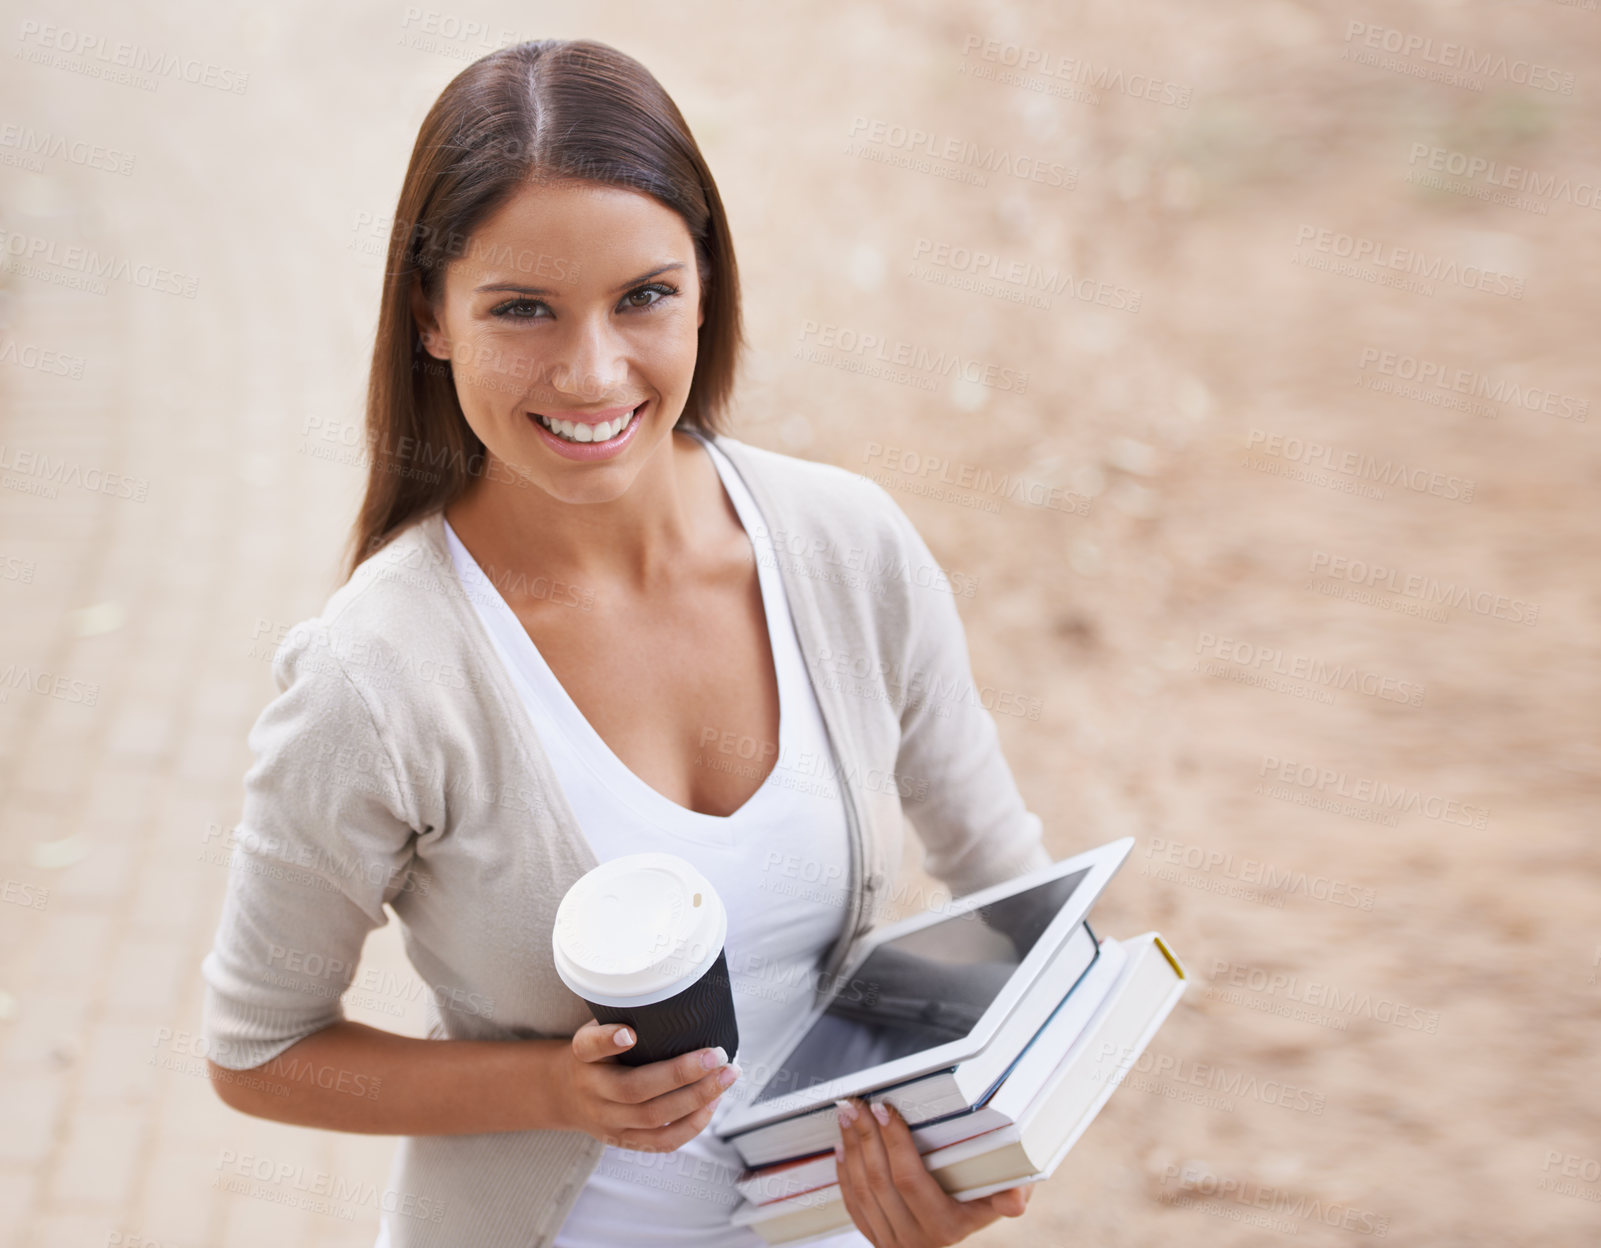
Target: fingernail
(839, 1154)
(881, 1114)
(727, 1075)
(623, 1037)
(847, 1113)
(713, 1058)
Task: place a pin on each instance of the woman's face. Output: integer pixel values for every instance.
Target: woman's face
(570, 322)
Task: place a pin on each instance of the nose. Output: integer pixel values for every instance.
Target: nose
(589, 362)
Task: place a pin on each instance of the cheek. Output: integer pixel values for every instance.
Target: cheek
(672, 354)
(496, 365)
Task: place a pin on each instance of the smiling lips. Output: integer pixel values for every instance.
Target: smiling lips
(584, 427)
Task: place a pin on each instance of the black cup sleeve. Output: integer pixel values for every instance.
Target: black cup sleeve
(700, 1017)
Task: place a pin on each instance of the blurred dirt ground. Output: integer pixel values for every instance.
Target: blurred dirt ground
(1391, 1032)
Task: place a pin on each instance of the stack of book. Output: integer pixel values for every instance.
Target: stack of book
(981, 1131)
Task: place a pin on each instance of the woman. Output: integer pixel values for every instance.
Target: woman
(580, 622)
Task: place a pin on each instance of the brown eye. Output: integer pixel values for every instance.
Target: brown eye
(519, 310)
(641, 298)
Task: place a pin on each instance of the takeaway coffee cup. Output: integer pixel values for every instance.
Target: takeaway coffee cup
(640, 939)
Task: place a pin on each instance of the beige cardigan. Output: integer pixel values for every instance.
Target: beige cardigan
(397, 766)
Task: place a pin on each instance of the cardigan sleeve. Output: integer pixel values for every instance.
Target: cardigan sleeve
(956, 786)
(324, 840)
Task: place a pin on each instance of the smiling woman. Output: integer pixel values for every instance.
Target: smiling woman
(456, 743)
(496, 266)
(602, 358)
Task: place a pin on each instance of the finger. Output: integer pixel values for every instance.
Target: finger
(910, 1175)
(944, 1217)
(638, 1084)
(904, 1224)
(595, 1042)
(860, 1201)
(1008, 1204)
(663, 1111)
(667, 1139)
(941, 1217)
(1012, 1202)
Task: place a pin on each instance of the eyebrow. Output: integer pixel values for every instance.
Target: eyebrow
(513, 287)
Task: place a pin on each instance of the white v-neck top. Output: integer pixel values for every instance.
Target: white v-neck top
(780, 863)
(396, 773)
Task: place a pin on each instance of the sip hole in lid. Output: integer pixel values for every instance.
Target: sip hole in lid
(637, 929)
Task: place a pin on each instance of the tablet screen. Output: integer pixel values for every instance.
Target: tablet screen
(921, 990)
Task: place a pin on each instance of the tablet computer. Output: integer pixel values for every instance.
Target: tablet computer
(928, 993)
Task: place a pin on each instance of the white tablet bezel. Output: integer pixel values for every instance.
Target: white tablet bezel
(1102, 863)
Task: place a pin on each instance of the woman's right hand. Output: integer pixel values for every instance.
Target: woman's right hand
(653, 1108)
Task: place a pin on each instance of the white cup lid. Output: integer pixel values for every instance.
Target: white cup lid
(637, 930)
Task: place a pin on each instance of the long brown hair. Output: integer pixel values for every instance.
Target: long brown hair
(549, 110)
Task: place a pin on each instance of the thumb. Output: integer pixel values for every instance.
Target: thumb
(595, 1042)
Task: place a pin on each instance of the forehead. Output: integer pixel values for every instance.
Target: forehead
(600, 234)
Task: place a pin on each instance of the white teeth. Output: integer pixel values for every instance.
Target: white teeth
(574, 431)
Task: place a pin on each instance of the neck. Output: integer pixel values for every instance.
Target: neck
(636, 539)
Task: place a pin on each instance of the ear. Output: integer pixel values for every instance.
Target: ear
(434, 340)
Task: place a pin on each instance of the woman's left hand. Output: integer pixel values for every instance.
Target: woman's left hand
(890, 1194)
